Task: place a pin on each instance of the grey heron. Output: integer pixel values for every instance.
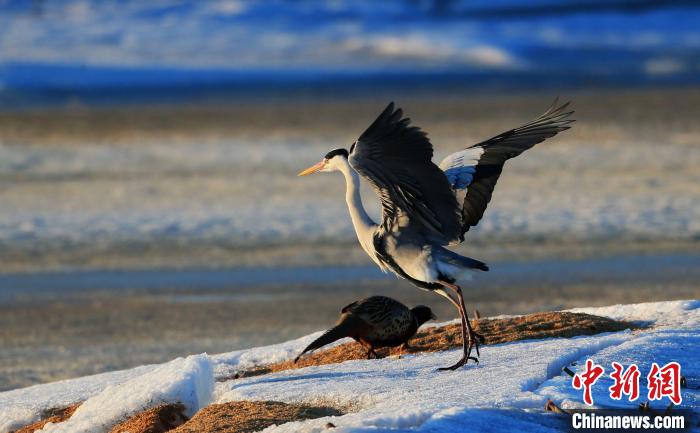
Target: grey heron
(426, 207)
(375, 322)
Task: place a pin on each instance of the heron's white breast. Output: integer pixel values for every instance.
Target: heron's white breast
(416, 261)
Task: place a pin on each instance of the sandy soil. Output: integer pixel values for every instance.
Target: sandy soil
(450, 115)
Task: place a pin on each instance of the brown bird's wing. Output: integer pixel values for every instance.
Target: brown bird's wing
(390, 322)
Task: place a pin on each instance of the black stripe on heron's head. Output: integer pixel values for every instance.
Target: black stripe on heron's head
(336, 152)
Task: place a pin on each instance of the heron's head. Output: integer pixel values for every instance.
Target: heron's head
(330, 162)
(423, 314)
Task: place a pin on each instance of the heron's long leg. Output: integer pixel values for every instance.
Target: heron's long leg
(459, 308)
(469, 337)
(458, 291)
(463, 329)
(442, 292)
(446, 295)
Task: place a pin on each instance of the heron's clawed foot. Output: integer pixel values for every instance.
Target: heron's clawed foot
(459, 363)
(472, 343)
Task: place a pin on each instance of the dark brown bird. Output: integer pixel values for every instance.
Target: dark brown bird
(375, 322)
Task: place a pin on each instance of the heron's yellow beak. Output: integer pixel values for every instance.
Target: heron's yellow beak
(313, 169)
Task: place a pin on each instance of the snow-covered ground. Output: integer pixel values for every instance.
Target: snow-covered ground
(505, 392)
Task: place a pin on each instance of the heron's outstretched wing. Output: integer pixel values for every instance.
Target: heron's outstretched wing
(473, 172)
(396, 159)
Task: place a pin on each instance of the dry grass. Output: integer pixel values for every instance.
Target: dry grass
(249, 416)
(159, 419)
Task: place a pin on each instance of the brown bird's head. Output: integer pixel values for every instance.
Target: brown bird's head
(422, 314)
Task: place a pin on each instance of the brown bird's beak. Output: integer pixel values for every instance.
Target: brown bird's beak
(433, 316)
(313, 169)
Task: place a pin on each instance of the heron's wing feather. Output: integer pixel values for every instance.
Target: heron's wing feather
(396, 160)
(473, 172)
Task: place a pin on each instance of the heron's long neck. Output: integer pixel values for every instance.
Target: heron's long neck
(363, 224)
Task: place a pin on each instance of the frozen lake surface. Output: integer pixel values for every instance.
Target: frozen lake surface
(64, 324)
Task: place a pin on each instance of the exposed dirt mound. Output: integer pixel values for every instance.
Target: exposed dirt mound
(531, 326)
(249, 416)
(52, 415)
(159, 419)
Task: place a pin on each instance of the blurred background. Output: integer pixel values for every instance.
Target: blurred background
(149, 205)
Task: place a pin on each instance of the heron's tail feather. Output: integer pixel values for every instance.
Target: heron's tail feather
(475, 264)
(452, 263)
(337, 332)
